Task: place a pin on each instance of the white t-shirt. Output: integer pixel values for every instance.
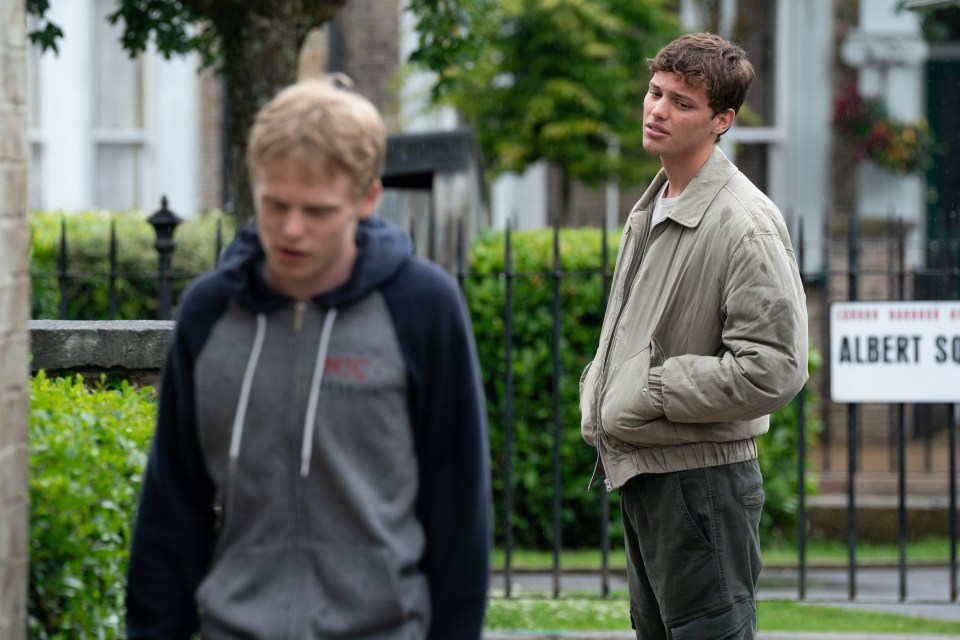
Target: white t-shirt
(662, 207)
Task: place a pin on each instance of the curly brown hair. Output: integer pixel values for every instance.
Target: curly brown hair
(709, 61)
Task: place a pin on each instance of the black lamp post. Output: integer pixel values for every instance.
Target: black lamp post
(164, 223)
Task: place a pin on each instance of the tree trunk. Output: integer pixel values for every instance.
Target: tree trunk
(262, 60)
(14, 318)
(260, 54)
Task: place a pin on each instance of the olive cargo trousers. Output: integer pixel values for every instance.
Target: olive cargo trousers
(693, 552)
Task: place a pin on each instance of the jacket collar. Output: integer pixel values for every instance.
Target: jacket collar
(696, 198)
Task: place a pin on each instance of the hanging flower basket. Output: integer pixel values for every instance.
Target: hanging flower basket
(902, 147)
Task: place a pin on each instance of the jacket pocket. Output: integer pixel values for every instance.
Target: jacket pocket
(357, 590)
(308, 591)
(248, 592)
(626, 402)
(588, 422)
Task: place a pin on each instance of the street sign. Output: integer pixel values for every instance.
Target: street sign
(893, 352)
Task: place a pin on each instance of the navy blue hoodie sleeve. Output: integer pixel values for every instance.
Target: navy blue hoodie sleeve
(449, 416)
(174, 529)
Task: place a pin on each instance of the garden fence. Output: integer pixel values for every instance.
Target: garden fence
(853, 268)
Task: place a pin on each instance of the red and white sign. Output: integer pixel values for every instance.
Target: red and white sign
(895, 352)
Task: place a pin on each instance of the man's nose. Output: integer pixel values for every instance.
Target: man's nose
(293, 223)
(659, 109)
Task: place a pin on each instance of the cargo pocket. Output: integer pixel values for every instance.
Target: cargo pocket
(751, 501)
(733, 621)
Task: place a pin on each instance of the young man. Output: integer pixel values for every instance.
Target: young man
(320, 466)
(705, 335)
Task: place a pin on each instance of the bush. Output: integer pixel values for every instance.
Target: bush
(88, 448)
(88, 261)
(581, 308)
(581, 289)
(777, 451)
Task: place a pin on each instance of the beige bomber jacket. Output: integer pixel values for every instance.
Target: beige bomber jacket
(705, 332)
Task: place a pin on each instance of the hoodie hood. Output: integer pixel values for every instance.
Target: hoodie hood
(382, 250)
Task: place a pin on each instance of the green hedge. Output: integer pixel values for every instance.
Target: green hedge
(87, 453)
(88, 265)
(533, 412)
(581, 292)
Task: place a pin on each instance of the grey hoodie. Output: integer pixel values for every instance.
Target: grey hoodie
(319, 469)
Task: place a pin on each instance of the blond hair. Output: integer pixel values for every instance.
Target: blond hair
(324, 124)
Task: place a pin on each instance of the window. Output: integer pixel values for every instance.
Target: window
(119, 133)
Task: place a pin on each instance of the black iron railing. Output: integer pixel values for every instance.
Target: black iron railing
(847, 263)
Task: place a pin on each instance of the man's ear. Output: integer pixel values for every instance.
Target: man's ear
(723, 121)
(369, 201)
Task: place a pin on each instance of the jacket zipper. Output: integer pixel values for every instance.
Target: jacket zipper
(299, 309)
(296, 400)
(631, 274)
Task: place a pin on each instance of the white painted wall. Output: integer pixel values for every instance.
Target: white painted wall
(805, 33)
(65, 130)
(521, 199)
(172, 151)
(70, 173)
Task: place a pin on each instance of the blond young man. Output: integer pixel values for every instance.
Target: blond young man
(320, 467)
(705, 335)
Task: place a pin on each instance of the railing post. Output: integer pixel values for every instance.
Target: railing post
(461, 255)
(557, 544)
(604, 495)
(852, 262)
(801, 452)
(164, 224)
(508, 411)
(826, 274)
(218, 243)
(112, 312)
(901, 435)
(952, 518)
(62, 274)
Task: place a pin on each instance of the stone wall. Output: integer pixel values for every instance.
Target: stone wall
(14, 315)
(130, 349)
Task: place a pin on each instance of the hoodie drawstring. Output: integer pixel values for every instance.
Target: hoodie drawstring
(306, 451)
(310, 421)
(240, 417)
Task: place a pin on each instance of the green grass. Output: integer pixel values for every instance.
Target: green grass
(582, 611)
(586, 613)
(924, 551)
(828, 553)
